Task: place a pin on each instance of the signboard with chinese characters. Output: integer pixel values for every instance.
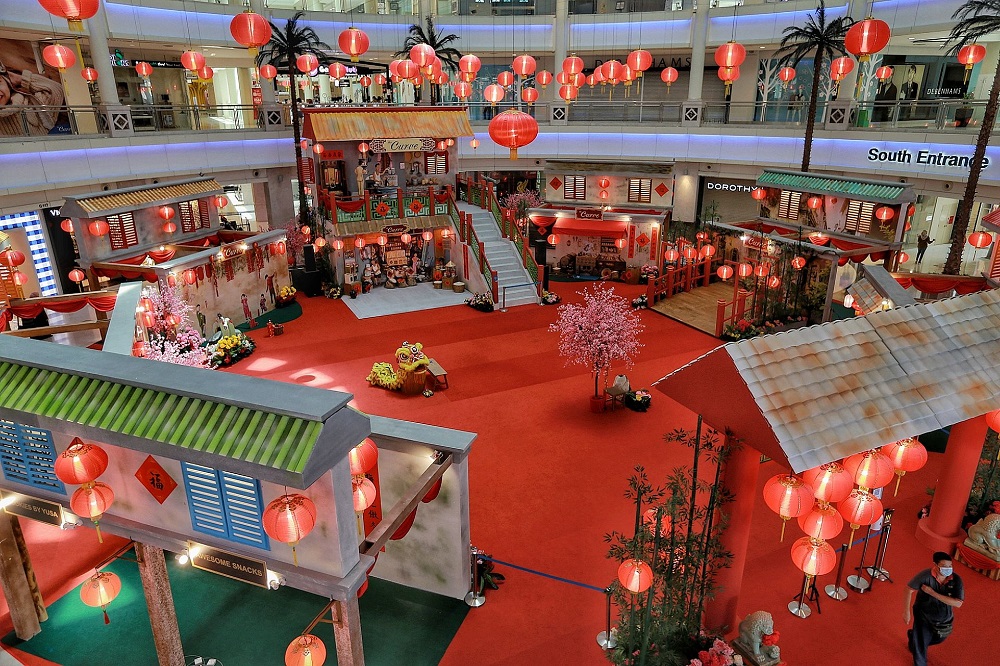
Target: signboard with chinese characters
(26, 506)
(230, 565)
(155, 479)
(401, 145)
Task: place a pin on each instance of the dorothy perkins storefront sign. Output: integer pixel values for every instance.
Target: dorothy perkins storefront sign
(924, 156)
(230, 565)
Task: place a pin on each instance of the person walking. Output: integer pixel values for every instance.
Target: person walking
(923, 241)
(939, 590)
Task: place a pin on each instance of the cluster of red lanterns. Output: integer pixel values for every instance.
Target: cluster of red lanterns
(12, 258)
(363, 458)
(80, 464)
(729, 57)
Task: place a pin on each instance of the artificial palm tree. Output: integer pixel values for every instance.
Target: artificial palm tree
(974, 20)
(286, 45)
(823, 40)
(436, 40)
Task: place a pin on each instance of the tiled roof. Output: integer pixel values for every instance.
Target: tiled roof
(350, 125)
(863, 190)
(828, 391)
(109, 203)
(375, 226)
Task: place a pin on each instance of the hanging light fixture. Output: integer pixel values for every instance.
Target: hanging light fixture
(429, 235)
(192, 60)
(59, 56)
(788, 496)
(288, 519)
(860, 508)
(830, 482)
(635, 575)
(553, 239)
(906, 455)
(250, 30)
(359, 242)
(405, 238)
(870, 469)
(513, 129)
(474, 143)
(100, 590)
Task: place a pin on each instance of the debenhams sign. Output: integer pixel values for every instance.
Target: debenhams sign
(924, 156)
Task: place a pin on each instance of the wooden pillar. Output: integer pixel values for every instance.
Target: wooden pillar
(347, 633)
(160, 604)
(15, 573)
(29, 571)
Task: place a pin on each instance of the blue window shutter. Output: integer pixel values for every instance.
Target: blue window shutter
(241, 496)
(201, 484)
(27, 456)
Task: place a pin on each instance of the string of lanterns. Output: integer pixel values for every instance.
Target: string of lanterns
(80, 464)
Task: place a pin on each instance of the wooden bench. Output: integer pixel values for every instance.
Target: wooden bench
(439, 375)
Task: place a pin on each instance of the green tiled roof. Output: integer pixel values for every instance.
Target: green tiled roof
(865, 190)
(272, 431)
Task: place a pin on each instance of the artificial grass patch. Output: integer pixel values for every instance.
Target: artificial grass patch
(277, 315)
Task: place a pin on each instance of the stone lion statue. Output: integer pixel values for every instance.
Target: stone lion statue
(753, 628)
(983, 535)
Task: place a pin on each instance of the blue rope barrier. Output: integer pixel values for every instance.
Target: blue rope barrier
(861, 540)
(544, 575)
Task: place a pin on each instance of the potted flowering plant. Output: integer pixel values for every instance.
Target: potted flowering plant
(229, 349)
(740, 330)
(550, 298)
(482, 302)
(648, 272)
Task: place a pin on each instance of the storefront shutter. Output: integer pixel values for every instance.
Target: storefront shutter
(203, 217)
(788, 206)
(241, 496)
(201, 484)
(188, 223)
(859, 216)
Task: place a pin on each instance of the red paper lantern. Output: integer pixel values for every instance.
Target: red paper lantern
(786, 75)
(614, 71)
(288, 519)
(405, 238)
(92, 500)
(906, 455)
(867, 37)
(840, 68)
(572, 65)
(172, 320)
(359, 242)
(251, 30)
(639, 60)
(462, 90)
(568, 93)
(364, 492)
(422, 55)
(306, 650)
(77, 276)
(280, 247)
(337, 71)
(169, 227)
(993, 420)
(474, 143)
(268, 72)
(493, 93)
(469, 64)
(147, 319)
(353, 42)
(59, 56)
(553, 239)
(206, 73)
(20, 279)
(903, 257)
(635, 576)
(970, 54)
(728, 75)
(707, 251)
(74, 11)
(544, 77)
(98, 228)
(822, 521)
(337, 244)
(604, 182)
(529, 95)
(190, 277)
(318, 148)
(382, 239)
(513, 129)
(883, 73)
(380, 79)
(89, 74)
(620, 243)
(100, 590)
(860, 508)
(690, 252)
(363, 457)
(363, 148)
(885, 213)
(669, 75)
(505, 78)
(12, 257)
(788, 496)
(671, 255)
(814, 557)
(80, 463)
(143, 68)
(814, 202)
(166, 212)
(762, 270)
(869, 469)
(730, 54)
(758, 193)
(192, 60)
(798, 263)
(980, 239)
(306, 63)
(524, 65)
(221, 201)
(145, 304)
(773, 282)
(724, 272)
(744, 270)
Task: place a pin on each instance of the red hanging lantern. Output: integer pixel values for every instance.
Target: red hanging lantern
(221, 201)
(773, 282)
(758, 193)
(840, 68)
(98, 228)
(993, 420)
(405, 526)
(363, 457)
(77, 276)
(100, 590)
(620, 243)
(671, 255)
(441, 145)
(382, 239)
(306, 63)
(363, 148)
(568, 93)
(147, 319)
(604, 182)
(380, 79)
(353, 42)
(281, 247)
(798, 263)
(513, 129)
(337, 244)
(818, 238)
(427, 236)
(867, 37)
(860, 508)
(729, 75)
(306, 650)
(318, 148)
(553, 239)
(89, 74)
(690, 252)
(707, 251)
(786, 75)
(903, 257)
(822, 521)
(462, 90)
(635, 576)
(906, 455)
(12, 257)
(190, 277)
(544, 78)
(446, 233)
(969, 55)
(724, 272)
(639, 60)
(493, 94)
(744, 270)
(885, 213)
(288, 519)
(669, 75)
(80, 463)
(572, 65)
(74, 11)
(145, 304)
(407, 69)
(524, 65)
(172, 320)
(883, 73)
(762, 270)
(59, 56)
(169, 227)
(529, 95)
(306, 231)
(267, 71)
(250, 30)
(422, 55)
(92, 500)
(206, 73)
(166, 212)
(474, 143)
(338, 71)
(614, 70)
(20, 279)
(143, 68)
(364, 492)
(788, 496)
(813, 557)
(359, 242)
(192, 60)
(139, 349)
(730, 54)
(980, 239)
(505, 78)
(405, 238)
(869, 469)
(469, 64)
(814, 202)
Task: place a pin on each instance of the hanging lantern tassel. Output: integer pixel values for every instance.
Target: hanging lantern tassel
(850, 543)
(784, 521)
(107, 620)
(295, 556)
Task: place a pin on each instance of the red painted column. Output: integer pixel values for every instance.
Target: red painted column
(942, 529)
(740, 478)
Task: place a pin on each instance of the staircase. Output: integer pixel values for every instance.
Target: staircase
(503, 257)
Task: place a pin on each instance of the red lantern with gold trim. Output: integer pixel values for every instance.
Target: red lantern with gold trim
(251, 30)
(730, 54)
(867, 37)
(98, 228)
(80, 463)
(74, 11)
(288, 519)
(100, 590)
(59, 56)
(788, 496)
(92, 500)
(635, 576)
(513, 129)
(267, 72)
(306, 63)
(192, 60)
(305, 650)
(77, 276)
(353, 42)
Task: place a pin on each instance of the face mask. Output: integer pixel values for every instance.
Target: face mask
(945, 571)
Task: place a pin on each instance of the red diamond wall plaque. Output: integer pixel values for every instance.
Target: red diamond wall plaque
(555, 183)
(155, 479)
(661, 189)
(642, 240)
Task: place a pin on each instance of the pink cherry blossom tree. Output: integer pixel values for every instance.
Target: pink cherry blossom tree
(172, 338)
(601, 330)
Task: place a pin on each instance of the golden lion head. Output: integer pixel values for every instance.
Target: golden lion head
(410, 357)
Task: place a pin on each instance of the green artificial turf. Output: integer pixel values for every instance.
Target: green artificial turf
(239, 624)
(277, 315)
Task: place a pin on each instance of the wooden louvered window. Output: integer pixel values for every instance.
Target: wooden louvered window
(202, 213)
(28, 456)
(995, 267)
(189, 221)
(436, 163)
(859, 216)
(122, 232)
(574, 187)
(225, 505)
(788, 206)
(639, 190)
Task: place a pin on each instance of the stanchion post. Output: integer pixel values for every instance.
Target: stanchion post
(606, 639)
(858, 582)
(835, 591)
(475, 598)
(796, 606)
(875, 570)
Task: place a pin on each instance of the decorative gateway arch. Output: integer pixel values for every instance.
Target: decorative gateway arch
(814, 395)
(212, 437)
